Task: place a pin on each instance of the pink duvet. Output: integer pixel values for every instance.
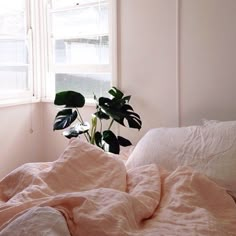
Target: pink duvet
(98, 196)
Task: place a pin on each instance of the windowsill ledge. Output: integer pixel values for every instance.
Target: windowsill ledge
(18, 101)
(23, 101)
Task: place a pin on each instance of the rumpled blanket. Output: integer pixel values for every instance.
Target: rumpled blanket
(96, 195)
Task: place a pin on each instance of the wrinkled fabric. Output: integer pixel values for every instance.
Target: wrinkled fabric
(97, 196)
(209, 149)
(37, 221)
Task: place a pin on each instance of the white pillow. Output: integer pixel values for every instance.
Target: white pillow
(208, 122)
(209, 149)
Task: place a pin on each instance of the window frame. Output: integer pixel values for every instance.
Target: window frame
(52, 68)
(40, 77)
(14, 97)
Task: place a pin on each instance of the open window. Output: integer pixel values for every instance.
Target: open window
(16, 79)
(80, 46)
(48, 46)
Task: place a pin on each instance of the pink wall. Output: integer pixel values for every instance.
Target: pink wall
(21, 136)
(207, 60)
(176, 58)
(147, 60)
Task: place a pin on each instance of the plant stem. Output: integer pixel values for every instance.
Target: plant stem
(81, 119)
(93, 129)
(100, 125)
(87, 138)
(111, 124)
(86, 135)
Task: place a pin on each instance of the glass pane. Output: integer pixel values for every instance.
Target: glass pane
(86, 84)
(93, 50)
(70, 3)
(13, 80)
(12, 5)
(13, 52)
(12, 18)
(84, 21)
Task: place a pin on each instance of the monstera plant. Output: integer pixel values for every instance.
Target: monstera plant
(115, 109)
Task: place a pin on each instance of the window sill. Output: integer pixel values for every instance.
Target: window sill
(18, 101)
(23, 101)
(89, 102)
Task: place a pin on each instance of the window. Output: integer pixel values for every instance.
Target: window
(48, 46)
(80, 46)
(15, 68)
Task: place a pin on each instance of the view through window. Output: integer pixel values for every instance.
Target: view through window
(81, 46)
(54, 45)
(14, 63)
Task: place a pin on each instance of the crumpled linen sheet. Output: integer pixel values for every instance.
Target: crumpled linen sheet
(97, 196)
(38, 221)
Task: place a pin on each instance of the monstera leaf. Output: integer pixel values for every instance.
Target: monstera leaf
(116, 93)
(101, 115)
(107, 141)
(123, 141)
(98, 139)
(64, 119)
(76, 130)
(69, 99)
(119, 109)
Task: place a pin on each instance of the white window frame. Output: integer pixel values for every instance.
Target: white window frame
(40, 76)
(49, 84)
(14, 97)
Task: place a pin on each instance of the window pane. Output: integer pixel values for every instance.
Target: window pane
(87, 50)
(13, 52)
(13, 80)
(12, 18)
(13, 48)
(86, 84)
(70, 3)
(81, 46)
(12, 5)
(85, 21)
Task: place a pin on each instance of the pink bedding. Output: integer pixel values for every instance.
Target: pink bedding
(98, 196)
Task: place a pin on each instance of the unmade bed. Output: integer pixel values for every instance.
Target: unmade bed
(176, 181)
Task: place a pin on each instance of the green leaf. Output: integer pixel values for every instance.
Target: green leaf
(127, 107)
(116, 93)
(101, 115)
(64, 119)
(110, 138)
(77, 130)
(132, 118)
(126, 98)
(123, 141)
(71, 133)
(120, 114)
(69, 99)
(98, 139)
(108, 107)
(104, 101)
(134, 122)
(82, 128)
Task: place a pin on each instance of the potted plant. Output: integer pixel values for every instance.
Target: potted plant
(115, 110)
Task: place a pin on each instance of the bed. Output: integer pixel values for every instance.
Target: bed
(176, 181)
